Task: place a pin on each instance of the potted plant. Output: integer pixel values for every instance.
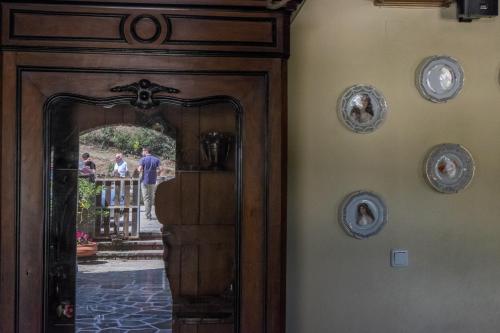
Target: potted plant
(85, 247)
(88, 193)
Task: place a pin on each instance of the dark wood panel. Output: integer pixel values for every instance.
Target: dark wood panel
(44, 25)
(199, 220)
(189, 199)
(414, 3)
(168, 200)
(181, 327)
(197, 198)
(260, 4)
(31, 219)
(221, 30)
(201, 266)
(219, 328)
(247, 82)
(254, 204)
(174, 261)
(217, 198)
(229, 3)
(200, 234)
(189, 270)
(189, 140)
(277, 211)
(216, 268)
(219, 117)
(8, 225)
(151, 28)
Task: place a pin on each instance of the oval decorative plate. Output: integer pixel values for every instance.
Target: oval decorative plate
(363, 214)
(362, 108)
(449, 168)
(439, 78)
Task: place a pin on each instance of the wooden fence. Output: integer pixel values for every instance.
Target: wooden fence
(117, 208)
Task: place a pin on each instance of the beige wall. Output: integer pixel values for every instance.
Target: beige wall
(339, 284)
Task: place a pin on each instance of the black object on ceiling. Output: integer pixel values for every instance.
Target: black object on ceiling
(468, 10)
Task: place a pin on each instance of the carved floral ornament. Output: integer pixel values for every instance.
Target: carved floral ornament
(144, 90)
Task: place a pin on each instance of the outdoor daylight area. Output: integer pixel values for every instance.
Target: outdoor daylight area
(121, 285)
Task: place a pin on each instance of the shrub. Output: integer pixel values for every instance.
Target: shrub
(87, 194)
(130, 140)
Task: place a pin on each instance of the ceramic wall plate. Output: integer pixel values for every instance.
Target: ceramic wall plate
(449, 168)
(363, 214)
(439, 78)
(362, 108)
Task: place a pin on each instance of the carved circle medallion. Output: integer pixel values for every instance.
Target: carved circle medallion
(145, 28)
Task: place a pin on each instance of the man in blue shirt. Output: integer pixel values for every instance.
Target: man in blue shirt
(148, 166)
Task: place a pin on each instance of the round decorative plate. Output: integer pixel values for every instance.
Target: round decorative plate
(362, 108)
(439, 78)
(449, 168)
(363, 214)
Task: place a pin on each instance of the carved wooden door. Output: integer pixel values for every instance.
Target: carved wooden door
(200, 210)
(214, 218)
(223, 226)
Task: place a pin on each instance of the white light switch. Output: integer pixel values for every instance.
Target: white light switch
(399, 258)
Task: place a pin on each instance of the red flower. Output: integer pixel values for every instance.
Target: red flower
(68, 311)
(65, 309)
(82, 238)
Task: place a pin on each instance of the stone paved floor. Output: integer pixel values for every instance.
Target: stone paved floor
(149, 226)
(115, 296)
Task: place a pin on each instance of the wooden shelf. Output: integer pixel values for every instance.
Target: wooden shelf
(204, 171)
(413, 3)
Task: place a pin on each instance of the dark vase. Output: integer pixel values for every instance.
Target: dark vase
(216, 147)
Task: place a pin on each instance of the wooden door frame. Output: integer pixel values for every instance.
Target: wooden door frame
(22, 72)
(241, 39)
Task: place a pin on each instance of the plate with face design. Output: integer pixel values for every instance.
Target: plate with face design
(362, 108)
(449, 168)
(439, 78)
(363, 214)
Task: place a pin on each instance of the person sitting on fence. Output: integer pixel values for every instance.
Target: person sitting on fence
(120, 169)
(148, 166)
(87, 168)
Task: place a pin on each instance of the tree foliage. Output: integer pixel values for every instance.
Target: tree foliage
(131, 140)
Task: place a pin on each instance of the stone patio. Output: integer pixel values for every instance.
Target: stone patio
(115, 296)
(149, 226)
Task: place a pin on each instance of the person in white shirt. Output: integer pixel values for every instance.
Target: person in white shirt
(120, 169)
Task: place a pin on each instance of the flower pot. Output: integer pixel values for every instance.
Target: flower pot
(86, 250)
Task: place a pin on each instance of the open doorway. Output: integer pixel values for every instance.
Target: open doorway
(188, 281)
(120, 284)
